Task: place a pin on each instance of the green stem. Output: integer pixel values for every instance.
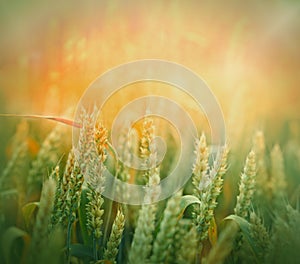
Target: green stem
(105, 234)
(69, 238)
(199, 252)
(70, 222)
(95, 251)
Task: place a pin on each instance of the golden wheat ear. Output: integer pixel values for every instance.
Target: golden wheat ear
(62, 120)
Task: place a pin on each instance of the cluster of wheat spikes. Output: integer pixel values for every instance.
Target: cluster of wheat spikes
(52, 210)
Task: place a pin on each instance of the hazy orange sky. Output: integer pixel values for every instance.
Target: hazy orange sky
(248, 53)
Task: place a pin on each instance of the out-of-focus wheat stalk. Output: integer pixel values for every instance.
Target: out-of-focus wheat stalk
(163, 241)
(184, 243)
(127, 149)
(15, 164)
(260, 234)
(142, 240)
(285, 241)
(170, 232)
(46, 159)
(39, 240)
(14, 175)
(262, 178)
(277, 182)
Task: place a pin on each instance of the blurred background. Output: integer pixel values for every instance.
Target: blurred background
(247, 52)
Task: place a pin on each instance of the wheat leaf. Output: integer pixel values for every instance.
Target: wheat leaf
(87, 240)
(62, 120)
(9, 239)
(245, 227)
(28, 211)
(186, 201)
(213, 232)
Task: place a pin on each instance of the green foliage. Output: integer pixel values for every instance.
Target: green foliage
(10, 243)
(70, 222)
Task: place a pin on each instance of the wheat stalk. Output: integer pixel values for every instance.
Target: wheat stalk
(278, 183)
(185, 242)
(259, 234)
(200, 167)
(46, 159)
(114, 241)
(246, 187)
(143, 235)
(224, 245)
(163, 241)
(40, 232)
(210, 186)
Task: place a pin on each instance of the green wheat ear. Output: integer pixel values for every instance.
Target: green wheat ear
(262, 178)
(167, 229)
(93, 165)
(61, 195)
(72, 197)
(17, 167)
(278, 183)
(142, 240)
(94, 215)
(143, 235)
(127, 149)
(207, 186)
(15, 173)
(200, 167)
(254, 251)
(246, 187)
(260, 234)
(94, 212)
(285, 241)
(185, 242)
(245, 198)
(46, 159)
(114, 241)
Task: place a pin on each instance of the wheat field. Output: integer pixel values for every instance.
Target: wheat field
(52, 209)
